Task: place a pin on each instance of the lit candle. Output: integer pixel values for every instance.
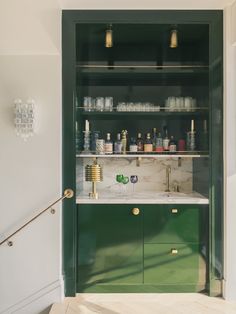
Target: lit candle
(192, 125)
(87, 125)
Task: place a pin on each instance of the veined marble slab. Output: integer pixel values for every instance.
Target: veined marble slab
(144, 198)
(151, 174)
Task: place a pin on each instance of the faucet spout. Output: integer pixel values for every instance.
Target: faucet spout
(168, 171)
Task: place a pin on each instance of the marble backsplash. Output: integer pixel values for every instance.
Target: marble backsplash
(151, 174)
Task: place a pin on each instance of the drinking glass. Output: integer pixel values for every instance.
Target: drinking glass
(99, 103)
(88, 103)
(108, 104)
(187, 103)
(119, 179)
(94, 138)
(100, 146)
(125, 181)
(172, 103)
(133, 179)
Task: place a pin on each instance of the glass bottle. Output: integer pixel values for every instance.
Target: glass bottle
(118, 145)
(191, 138)
(124, 141)
(154, 137)
(166, 141)
(172, 144)
(148, 144)
(108, 145)
(159, 143)
(140, 144)
(204, 138)
(133, 147)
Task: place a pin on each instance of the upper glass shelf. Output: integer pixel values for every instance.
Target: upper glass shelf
(122, 75)
(203, 111)
(137, 68)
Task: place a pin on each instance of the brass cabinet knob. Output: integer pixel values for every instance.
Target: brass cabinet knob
(174, 211)
(135, 211)
(174, 251)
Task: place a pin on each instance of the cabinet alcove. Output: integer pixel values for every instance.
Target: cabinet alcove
(174, 245)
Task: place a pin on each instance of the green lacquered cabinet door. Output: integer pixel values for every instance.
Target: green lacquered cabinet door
(110, 246)
(172, 264)
(175, 223)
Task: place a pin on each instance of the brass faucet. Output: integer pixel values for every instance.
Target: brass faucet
(168, 171)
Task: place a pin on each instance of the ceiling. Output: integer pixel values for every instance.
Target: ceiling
(144, 4)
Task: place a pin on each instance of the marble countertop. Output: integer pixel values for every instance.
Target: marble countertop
(144, 198)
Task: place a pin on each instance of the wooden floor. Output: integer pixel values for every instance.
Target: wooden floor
(191, 303)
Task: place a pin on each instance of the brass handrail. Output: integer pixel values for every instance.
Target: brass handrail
(68, 193)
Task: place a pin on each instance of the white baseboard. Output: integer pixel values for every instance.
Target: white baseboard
(39, 301)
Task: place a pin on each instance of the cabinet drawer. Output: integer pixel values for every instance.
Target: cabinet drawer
(174, 223)
(173, 264)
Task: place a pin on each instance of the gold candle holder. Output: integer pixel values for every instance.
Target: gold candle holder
(94, 174)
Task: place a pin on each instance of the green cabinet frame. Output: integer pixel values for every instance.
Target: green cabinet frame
(214, 18)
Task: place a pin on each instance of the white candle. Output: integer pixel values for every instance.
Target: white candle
(86, 125)
(192, 125)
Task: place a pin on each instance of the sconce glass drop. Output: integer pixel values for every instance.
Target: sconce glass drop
(24, 118)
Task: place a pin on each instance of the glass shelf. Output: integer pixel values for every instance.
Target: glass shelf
(141, 114)
(96, 68)
(198, 154)
(93, 75)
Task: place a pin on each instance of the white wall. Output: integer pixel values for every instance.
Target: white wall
(30, 172)
(233, 19)
(148, 4)
(230, 156)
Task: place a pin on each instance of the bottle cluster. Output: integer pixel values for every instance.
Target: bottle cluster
(151, 142)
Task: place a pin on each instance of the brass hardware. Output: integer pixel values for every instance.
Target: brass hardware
(174, 251)
(68, 193)
(174, 210)
(179, 162)
(93, 173)
(109, 37)
(173, 38)
(168, 171)
(138, 161)
(135, 211)
(52, 211)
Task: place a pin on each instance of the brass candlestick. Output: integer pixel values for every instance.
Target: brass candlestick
(93, 173)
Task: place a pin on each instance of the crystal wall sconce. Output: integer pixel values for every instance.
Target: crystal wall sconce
(24, 118)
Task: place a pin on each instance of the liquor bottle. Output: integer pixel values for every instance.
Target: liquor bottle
(181, 145)
(124, 141)
(133, 147)
(154, 137)
(140, 143)
(191, 138)
(159, 143)
(118, 145)
(166, 140)
(148, 144)
(108, 145)
(204, 138)
(172, 144)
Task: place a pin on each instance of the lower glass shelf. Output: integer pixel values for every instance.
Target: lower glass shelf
(150, 155)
